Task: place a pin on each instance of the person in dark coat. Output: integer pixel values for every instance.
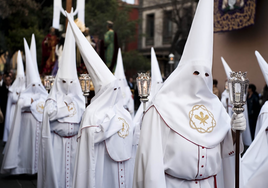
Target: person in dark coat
(253, 108)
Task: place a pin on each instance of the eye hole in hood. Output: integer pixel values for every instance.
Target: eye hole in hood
(196, 73)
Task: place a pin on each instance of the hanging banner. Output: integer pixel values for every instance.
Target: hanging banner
(233, 14)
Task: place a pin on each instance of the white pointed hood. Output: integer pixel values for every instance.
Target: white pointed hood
(226, 68)
(106, 111)
(100, 75)
(33, 53)
(34, 88)
(156, 83)
(187, 93)
(263, 66)
(156, 77)
(67, 83)
(119, 72)
(126, 92)
(31, 75)
(19, 83)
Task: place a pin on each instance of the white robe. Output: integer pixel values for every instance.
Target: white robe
(57, 149)
(161, 162)
(254, 164)
(10, 112)
(106, 149)
(21, 152)
(95, 168)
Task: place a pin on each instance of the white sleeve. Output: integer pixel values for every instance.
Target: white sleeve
(14, 97)
(55, 113)
(84, 169)
(27, 101)
(149, 166)
(256, 157)
(227, 146)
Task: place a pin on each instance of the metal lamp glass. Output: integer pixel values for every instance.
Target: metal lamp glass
(48, 82)
(85, 84)
(238, 88)
(144, 86)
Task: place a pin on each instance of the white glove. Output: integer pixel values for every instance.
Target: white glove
(35, 97)
(68, 99)
(238, 122)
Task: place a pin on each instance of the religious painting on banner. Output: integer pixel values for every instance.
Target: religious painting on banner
(233, 14)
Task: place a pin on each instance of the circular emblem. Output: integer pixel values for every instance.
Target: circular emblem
(201, 119)
(125, 127)
(40, 107)
(71, 109)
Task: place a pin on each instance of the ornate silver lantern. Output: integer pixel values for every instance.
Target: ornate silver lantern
(238, 88)
(85, 85)
(48, 82)
(144, 86)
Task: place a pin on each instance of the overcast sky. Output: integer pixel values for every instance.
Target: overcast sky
(129, 1)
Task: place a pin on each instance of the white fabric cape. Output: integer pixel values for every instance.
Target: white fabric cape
(100, 131)
(10, 112)
(161, 160)
(23, 142)
(254, 164)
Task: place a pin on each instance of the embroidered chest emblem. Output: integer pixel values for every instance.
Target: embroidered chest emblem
(40, 107)
(125, 128)
(202, 119)
(71, 109)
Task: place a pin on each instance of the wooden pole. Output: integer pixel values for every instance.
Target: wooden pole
(227, 105)
(237, 158)
(68, 9)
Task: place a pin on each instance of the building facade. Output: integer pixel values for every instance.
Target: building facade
(164, 26)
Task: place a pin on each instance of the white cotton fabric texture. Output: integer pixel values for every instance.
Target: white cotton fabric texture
(61, 123)
(156, 83)
(254, 164)
(21, 152)
(183, 90)
(14, 90)
(119, 73)
(175, 148)
(105, 137)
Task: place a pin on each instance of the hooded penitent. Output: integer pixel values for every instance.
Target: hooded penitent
(17, 87)
(264, 69)
(254, 164)
(106, 126)
(66, 81)
(62, 116)
(225, 95)
(120, 75)
(21, 152)
(188, 90)
(186, 131)
(34, 86)
(156, 83)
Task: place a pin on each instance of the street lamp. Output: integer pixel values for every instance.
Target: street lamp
(85, 85)
(144, 87)
(238, 88)
(171, 61)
